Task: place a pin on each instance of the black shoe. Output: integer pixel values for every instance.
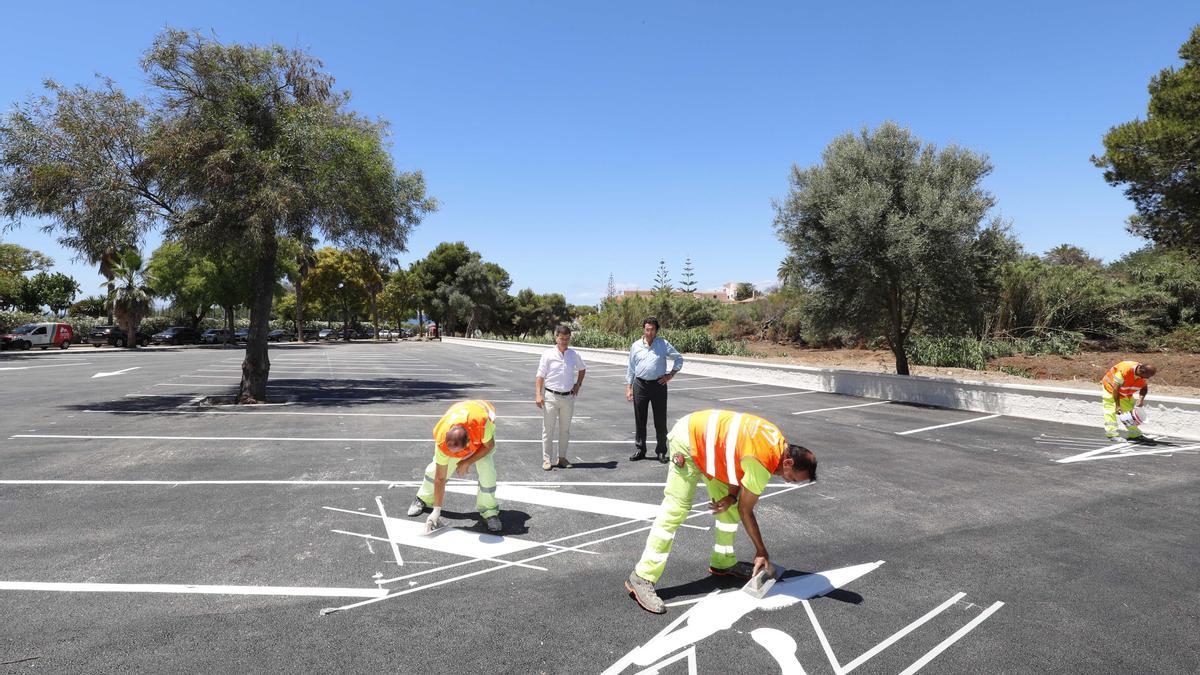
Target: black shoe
(640, 454)
(1144, 440)
(662, 459)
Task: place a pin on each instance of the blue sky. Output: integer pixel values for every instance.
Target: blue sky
(567, 140)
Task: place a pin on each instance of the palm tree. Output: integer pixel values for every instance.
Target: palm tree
(131, 293)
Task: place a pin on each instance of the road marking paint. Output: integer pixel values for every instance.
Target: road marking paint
(455, 541)
(870, 653)
(944, 644)
(1095, 454)
(790, 393)
(193, 588)
(371, 537)
(843, 407)
(503, 565)
(567, 500)
(278, 438)
(414, 398)
(782, 648)
(57, 365)
(715, 386)
(192, 384)
(395, 546)
(115, 372)
(942, 426)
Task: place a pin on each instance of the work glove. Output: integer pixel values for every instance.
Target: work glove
(434, 520)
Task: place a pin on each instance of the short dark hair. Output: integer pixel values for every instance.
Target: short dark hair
(457, 437)
(803, 459)
(562, 329)
(652, 320)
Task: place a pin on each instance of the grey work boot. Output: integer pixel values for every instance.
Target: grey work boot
(493, 524)
(643, 593)
(416, 507)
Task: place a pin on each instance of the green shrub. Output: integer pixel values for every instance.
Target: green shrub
(968, 352)
(1183, 339)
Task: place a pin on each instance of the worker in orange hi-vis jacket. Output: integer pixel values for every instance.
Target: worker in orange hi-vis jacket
(735, 454)
(1121, 383)
(463, 437)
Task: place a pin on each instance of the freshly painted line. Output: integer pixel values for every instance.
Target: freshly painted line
(812, 617)
(1091, 453)
(371, 537)
(568, 500)
(278, 438)
(1117, 455)
(870, 653)
(298, 412)
(414, 398)
(843, 407)
(790, 393)
(944, 644)
(190, 588)
(115, 372)
(57, 365)
(451, 580)
(455, 541)
(160, 395)
(943, 426)
(781, 646)
(395, 547)
(191, 384)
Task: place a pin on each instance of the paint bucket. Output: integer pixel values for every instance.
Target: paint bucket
(1133, 418)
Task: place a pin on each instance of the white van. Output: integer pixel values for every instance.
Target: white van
(42, 335)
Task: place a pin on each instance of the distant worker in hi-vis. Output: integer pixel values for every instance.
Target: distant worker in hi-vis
(464, 437)
(1121, 383)
(735, 455)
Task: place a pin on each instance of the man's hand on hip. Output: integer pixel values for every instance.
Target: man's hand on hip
(666, 378)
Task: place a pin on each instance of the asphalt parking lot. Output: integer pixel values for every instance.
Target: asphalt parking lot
(146, 530)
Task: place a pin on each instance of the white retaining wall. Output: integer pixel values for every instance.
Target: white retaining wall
(1169, 415)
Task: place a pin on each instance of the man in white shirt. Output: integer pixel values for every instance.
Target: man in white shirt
(555, 389)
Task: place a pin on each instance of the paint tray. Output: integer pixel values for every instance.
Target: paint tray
(762, 582)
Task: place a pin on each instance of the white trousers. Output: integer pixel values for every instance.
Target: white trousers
(557, 410)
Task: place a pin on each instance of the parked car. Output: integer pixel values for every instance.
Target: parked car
(369, 332)
(310, 334)
(114, 336)
(214, 336)
(241, 335)
(280, 335)
(176, 335)
(44, 335)
(327, 334)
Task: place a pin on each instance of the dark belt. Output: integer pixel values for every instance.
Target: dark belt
(560, 393)
(654, 380)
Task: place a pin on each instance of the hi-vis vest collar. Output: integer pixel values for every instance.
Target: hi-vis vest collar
(1130, 383)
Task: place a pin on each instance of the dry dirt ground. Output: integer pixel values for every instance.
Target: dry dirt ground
(1179, 374)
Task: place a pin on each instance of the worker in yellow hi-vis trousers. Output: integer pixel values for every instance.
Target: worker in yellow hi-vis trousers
(735, 455)
(463, 437)
(1121, 382)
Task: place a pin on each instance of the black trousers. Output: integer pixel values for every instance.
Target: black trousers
(649, 393)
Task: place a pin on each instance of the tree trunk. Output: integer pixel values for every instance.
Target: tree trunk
(228, 318)
(901, 357)
(256, 367)
(375, 316)
(108, 305)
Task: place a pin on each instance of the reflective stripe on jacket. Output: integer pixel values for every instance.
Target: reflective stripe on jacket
(719, 439)
(1130, 383)
(474, 415)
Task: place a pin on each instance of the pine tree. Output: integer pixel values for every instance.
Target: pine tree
(611, 291)
(688, 283)
(662, 280)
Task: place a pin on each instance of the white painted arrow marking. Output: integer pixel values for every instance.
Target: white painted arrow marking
(115, 372)
(57, 365)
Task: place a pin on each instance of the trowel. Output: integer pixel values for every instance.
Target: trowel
(762, 582)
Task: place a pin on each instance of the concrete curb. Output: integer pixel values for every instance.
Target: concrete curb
(1169, 415)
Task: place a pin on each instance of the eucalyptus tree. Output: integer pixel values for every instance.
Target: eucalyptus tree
(886, 232)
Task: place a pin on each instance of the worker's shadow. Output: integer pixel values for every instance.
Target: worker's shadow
(514, 522)
(594, 465)
(712, 583)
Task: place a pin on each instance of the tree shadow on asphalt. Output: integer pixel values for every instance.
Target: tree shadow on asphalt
(302, 393)
(712, 583)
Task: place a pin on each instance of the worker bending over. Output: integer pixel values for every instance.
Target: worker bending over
(464, 437)
(1121, 382)
(735, 454)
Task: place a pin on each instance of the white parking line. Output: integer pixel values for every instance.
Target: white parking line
(945, 644)
(376, 399)
(193, 588)
(57, 365)
(942, 426)
(280, 438)
(300, 412)
(841, 407)
(715, 386)
(790, 393)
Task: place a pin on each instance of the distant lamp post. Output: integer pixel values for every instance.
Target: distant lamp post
(345, 312)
